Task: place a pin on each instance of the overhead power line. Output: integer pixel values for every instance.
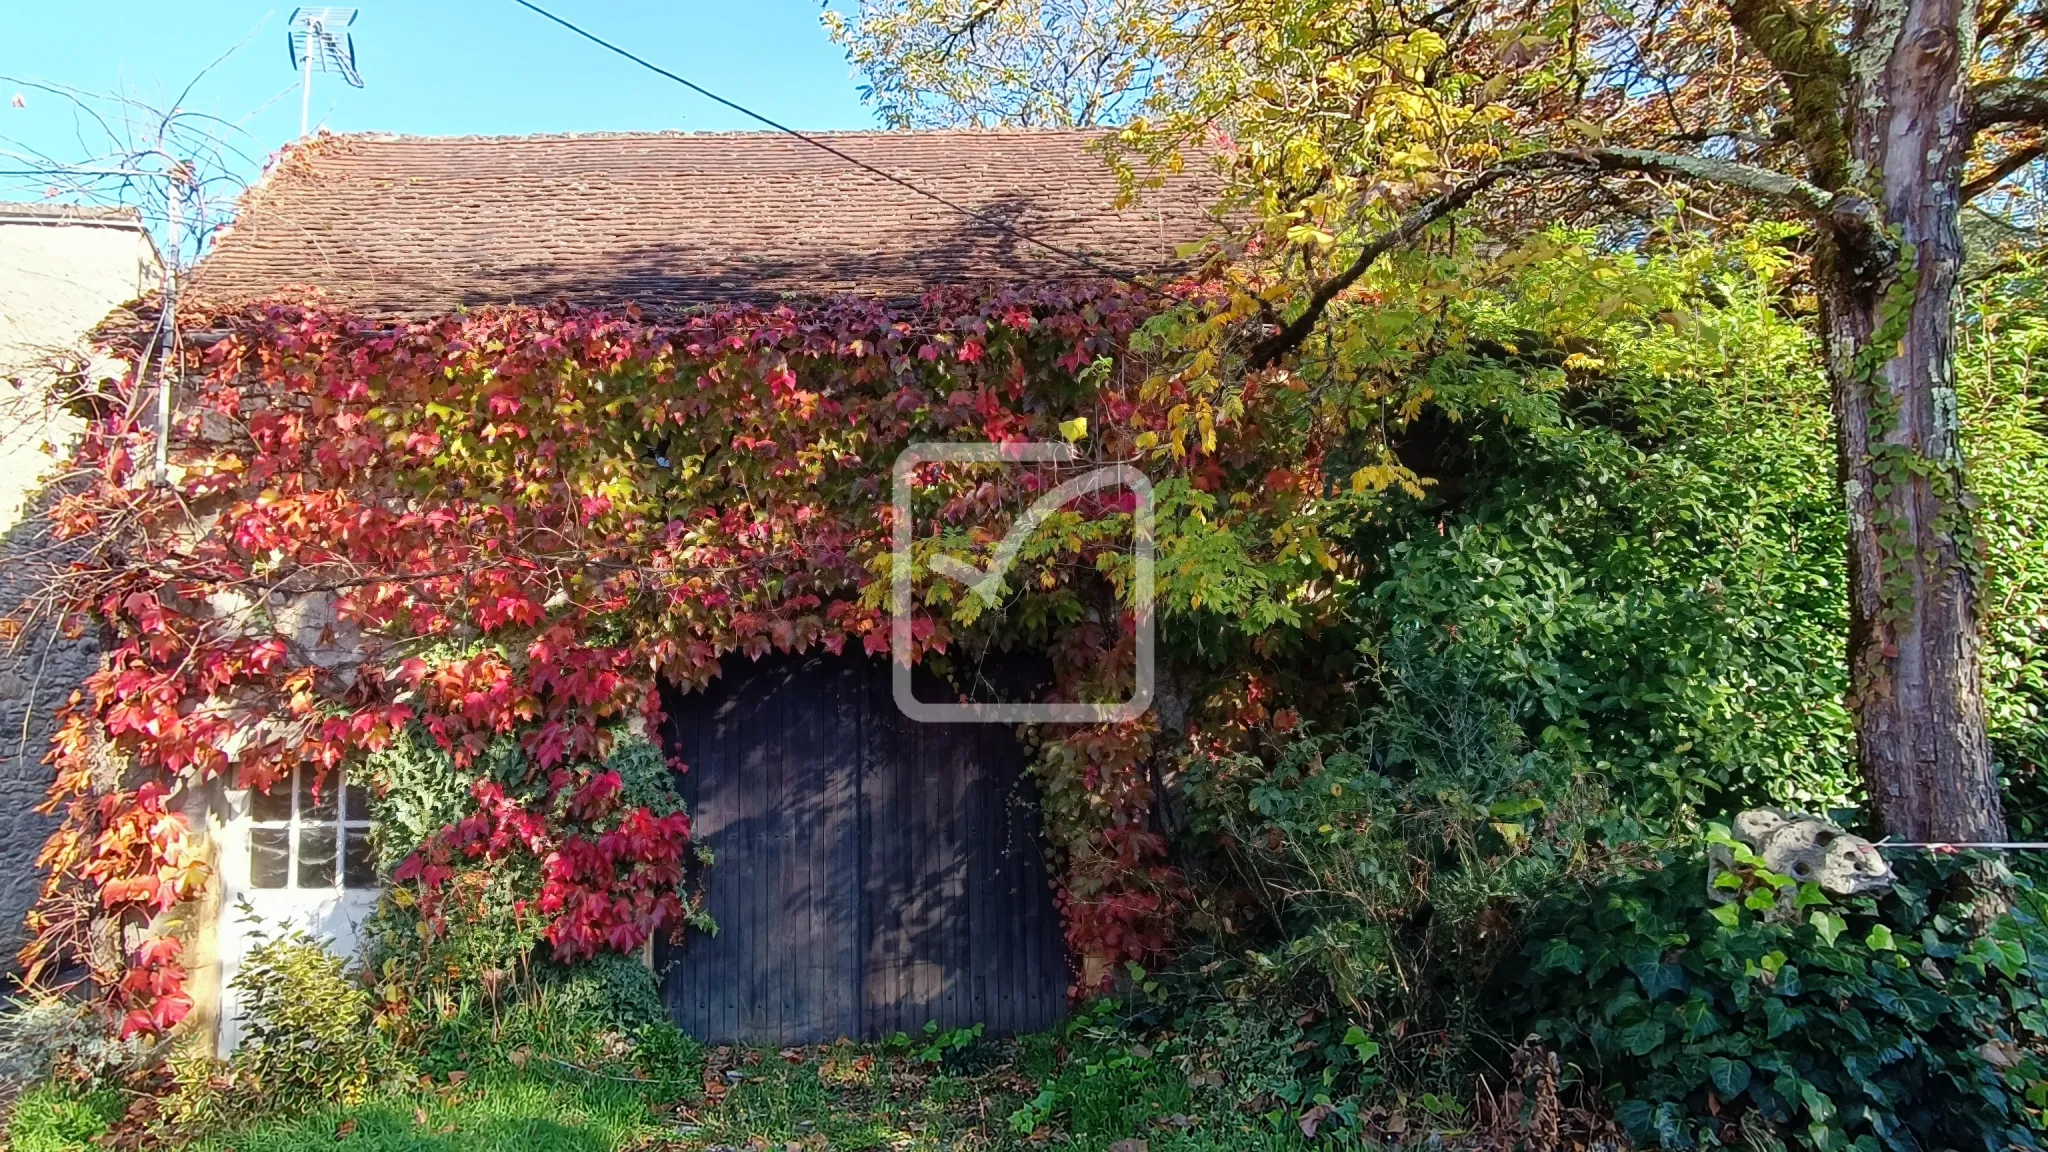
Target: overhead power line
(992, 221)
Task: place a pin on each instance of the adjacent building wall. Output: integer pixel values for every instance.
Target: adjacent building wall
(62, 270)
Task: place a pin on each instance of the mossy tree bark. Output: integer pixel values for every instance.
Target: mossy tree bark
(1888, 306)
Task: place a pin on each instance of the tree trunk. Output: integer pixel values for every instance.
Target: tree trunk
(1916, 685)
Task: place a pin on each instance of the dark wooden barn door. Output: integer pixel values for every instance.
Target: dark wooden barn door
(873, 873)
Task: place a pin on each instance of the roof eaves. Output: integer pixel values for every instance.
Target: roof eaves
(75, 215)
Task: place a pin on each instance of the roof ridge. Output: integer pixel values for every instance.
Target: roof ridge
(375, 137)
(392, 224)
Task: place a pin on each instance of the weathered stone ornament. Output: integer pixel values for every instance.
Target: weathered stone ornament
(1807, 849)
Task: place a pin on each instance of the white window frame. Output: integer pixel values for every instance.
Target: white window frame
(296, 822)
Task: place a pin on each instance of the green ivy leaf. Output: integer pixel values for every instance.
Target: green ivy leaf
(1642, 1038)
(1828, 925)
(1356, 1040)
(1777, 1019)
(1562, 954)
(1730, 1077)
(1880, 939)
(1819, 1104)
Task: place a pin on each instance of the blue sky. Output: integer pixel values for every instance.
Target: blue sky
(431, 66)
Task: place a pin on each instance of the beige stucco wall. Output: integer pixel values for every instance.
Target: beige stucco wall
(61, 272)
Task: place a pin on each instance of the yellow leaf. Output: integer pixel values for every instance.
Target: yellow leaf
(1074, 429)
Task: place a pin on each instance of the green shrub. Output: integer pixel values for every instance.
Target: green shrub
(2002, 375)
(480, 978)
(1391, 861)
(309, 1038)
(667, 1054)
(44, 1034)
(1631, 554)
(608, 992)
(1905, 1021)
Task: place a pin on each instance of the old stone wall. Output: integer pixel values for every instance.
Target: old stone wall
(39, 670)
(62, 270)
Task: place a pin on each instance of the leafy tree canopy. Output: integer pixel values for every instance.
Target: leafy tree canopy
(1382, 161)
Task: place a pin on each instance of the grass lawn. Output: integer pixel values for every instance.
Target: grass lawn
(791, 1100)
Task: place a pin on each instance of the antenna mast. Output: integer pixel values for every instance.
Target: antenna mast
(319, 42)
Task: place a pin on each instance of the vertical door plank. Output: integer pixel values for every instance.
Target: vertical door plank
(771, 780)
(872, 874)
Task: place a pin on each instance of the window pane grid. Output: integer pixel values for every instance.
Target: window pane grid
(310, 835)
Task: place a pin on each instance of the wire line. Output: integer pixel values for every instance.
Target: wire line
(1968, 845)
(815, 142)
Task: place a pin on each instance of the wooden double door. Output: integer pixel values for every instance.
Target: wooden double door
(872, 873)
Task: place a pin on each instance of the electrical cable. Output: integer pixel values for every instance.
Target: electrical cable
(815, 142)
(1941, 846)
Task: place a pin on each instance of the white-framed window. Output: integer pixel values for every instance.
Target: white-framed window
(310, 838)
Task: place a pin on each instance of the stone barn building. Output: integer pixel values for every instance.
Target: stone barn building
(855, 897)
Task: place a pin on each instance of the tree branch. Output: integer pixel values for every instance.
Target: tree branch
(1801, 48)
(1780, 133)
(1289, 337)
(2009, 101)
(967, 27)
(1812, 199)
(2007, 164)
(1841, 211)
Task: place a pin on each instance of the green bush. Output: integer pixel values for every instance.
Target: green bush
(2002, 373)
(309, 1038)
(1907, 1021)
(480, 973)
(668, 1055)
(50, 1035)
(1624, 541)
(609, 991)
(1392, 861)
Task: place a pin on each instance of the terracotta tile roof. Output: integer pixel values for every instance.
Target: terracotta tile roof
(393, 225)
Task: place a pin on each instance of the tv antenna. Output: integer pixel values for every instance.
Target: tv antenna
(319, 42)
